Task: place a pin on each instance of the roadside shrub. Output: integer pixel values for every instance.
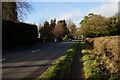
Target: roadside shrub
(16, 34)
(83, 46)
(92, 67)
(84, 51)
(106, 55)
(108, 50)
(89, 43)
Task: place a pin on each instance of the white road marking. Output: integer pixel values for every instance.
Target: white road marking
(3, 60)
(33, 51)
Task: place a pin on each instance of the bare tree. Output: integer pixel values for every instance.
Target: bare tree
(71, 27)
(59, 30)
(22, 9)
(15, 10)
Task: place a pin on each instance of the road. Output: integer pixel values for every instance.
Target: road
(29, 62)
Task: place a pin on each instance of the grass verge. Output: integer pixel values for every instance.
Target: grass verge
(62, 67)
(92, 67)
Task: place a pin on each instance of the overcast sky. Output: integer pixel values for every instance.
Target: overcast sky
(74, 11)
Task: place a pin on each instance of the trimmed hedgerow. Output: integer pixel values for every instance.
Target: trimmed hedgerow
(92, 67)
(15, 34)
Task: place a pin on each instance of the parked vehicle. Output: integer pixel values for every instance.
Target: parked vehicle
(69, 39)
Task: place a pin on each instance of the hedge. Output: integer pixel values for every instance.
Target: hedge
(16, 34)
(92, 67)
(50, 39)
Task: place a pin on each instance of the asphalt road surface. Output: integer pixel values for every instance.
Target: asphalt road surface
(29, 62)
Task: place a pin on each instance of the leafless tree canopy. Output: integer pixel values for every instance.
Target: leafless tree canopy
(59, 29)
(15, 10)
(22, 9)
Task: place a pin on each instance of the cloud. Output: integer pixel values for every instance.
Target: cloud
(114, 0)
(107, 10)
(73, 15)
(65, 0)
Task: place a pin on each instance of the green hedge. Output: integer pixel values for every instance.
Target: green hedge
(61, 69)
(15, 34)
(50, 39)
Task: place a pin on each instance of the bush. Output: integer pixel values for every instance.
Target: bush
(92, 68)
(15, 34)
(50, 39)
(83, 46)
(84, 51)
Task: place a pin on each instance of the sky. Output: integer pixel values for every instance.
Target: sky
(74, 11)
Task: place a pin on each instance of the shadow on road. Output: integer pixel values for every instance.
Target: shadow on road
(6, 67)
